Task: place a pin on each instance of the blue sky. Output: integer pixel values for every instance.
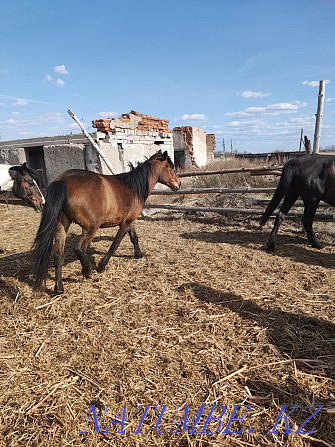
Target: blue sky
(245, 70)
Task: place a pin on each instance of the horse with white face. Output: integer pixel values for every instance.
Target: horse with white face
(22, 182)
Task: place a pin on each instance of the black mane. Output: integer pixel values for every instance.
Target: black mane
(137, 178)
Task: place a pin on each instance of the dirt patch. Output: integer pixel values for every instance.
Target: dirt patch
(207, 317)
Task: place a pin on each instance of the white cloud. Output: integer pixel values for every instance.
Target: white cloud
(314, 83)
(330, 99)
(60, 83)
(246, 123)
(26, 134)
(251, 94)
(51, 118)
(2, 104)
(75, 126)
(16, 113)
(61, 69)
(20, 102)
(193, 117)
(46, 118)
(48, 77)
(108, 114)
(269, 111)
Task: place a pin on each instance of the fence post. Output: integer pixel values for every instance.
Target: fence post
(318, 121)
(307, 145)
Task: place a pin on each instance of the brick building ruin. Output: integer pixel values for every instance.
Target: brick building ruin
(127, 139)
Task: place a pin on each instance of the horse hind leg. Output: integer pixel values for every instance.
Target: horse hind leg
(117, 240)
(81, 250)
(307, 220)
(59, 243)
(134, 240)
(289, 200)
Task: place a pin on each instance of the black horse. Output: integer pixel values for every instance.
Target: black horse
(311, 177)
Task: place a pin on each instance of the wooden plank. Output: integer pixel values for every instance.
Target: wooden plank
(229, 171)
(292, 214)
(168, 192)
(265, 202)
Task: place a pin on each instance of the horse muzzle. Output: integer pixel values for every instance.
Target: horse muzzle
(38, 207)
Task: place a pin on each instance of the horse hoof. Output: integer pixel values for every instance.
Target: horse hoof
(58, 291)
(101, 268)
(319, 246)
(139, 255)
(271, 248)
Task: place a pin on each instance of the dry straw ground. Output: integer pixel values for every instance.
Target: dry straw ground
(207, 317)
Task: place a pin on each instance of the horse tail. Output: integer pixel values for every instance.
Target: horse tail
(285, 182)
(56, 198)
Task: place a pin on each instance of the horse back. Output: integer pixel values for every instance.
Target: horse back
(98, 200)
(315, 177)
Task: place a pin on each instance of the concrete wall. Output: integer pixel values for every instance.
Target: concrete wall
(182, 143)
(210, 147)
(199, 146)
(191, 143)
(15, 156)
(131, 146)
(60, 158)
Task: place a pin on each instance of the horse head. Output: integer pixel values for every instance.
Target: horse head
(167, 174)
(26, 187)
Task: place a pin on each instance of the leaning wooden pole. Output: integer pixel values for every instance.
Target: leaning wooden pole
(318, 122)
(90, 139)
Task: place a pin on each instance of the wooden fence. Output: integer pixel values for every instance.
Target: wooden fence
(270, 170)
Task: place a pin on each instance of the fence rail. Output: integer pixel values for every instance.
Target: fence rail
(167, 192)
(274, 170)
(324, 216)
(265, 170)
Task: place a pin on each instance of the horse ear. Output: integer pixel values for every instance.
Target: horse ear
(24, 168)
(165, 155)
(13, 173)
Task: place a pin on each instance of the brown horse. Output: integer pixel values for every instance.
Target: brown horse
(92, 201)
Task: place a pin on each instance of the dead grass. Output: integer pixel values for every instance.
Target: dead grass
(207, 317)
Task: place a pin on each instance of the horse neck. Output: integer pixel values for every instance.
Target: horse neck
(154, 176)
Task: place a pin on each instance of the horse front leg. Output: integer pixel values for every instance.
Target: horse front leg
(59, 243)
(81, 250)
(118, 238)
(134, 240)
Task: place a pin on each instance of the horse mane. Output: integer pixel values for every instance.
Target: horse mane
(137, 179)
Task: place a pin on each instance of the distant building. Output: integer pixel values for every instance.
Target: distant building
(130, 138)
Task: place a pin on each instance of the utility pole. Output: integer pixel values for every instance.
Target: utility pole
(231, 147)
(319, 114)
